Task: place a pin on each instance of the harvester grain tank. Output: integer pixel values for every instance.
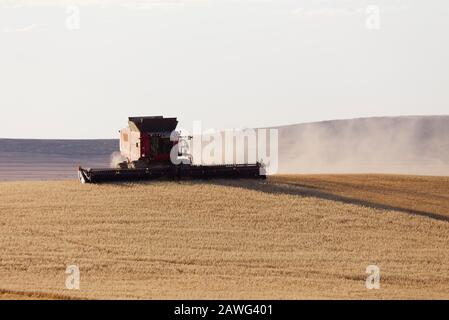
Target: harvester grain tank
(146, 145)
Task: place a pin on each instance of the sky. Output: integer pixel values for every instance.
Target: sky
(78, 69)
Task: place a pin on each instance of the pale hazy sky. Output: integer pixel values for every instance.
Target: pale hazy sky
(239, 63)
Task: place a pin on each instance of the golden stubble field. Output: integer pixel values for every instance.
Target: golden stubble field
(425, 195)
(213, 240)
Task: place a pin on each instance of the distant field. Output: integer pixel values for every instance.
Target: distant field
(25, 160)
(219, 240)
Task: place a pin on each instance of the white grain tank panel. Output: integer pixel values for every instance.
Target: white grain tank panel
(135, 153)
(125, 146)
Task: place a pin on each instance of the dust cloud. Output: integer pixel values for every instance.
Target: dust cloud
(116, 158)
(406, 145)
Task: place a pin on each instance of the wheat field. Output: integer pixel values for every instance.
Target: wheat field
(213, 240)
(425, 195)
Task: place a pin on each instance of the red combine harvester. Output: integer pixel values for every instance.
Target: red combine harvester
(147, 143)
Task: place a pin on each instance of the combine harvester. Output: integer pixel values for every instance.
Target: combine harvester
(147, 143)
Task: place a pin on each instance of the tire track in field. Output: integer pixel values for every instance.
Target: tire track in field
(38, 295)
(304, 191)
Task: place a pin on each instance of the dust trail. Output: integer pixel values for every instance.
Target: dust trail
(408, 145)
(116, 158)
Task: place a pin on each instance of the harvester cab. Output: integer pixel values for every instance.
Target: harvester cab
(147, 144)
(148, 141)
